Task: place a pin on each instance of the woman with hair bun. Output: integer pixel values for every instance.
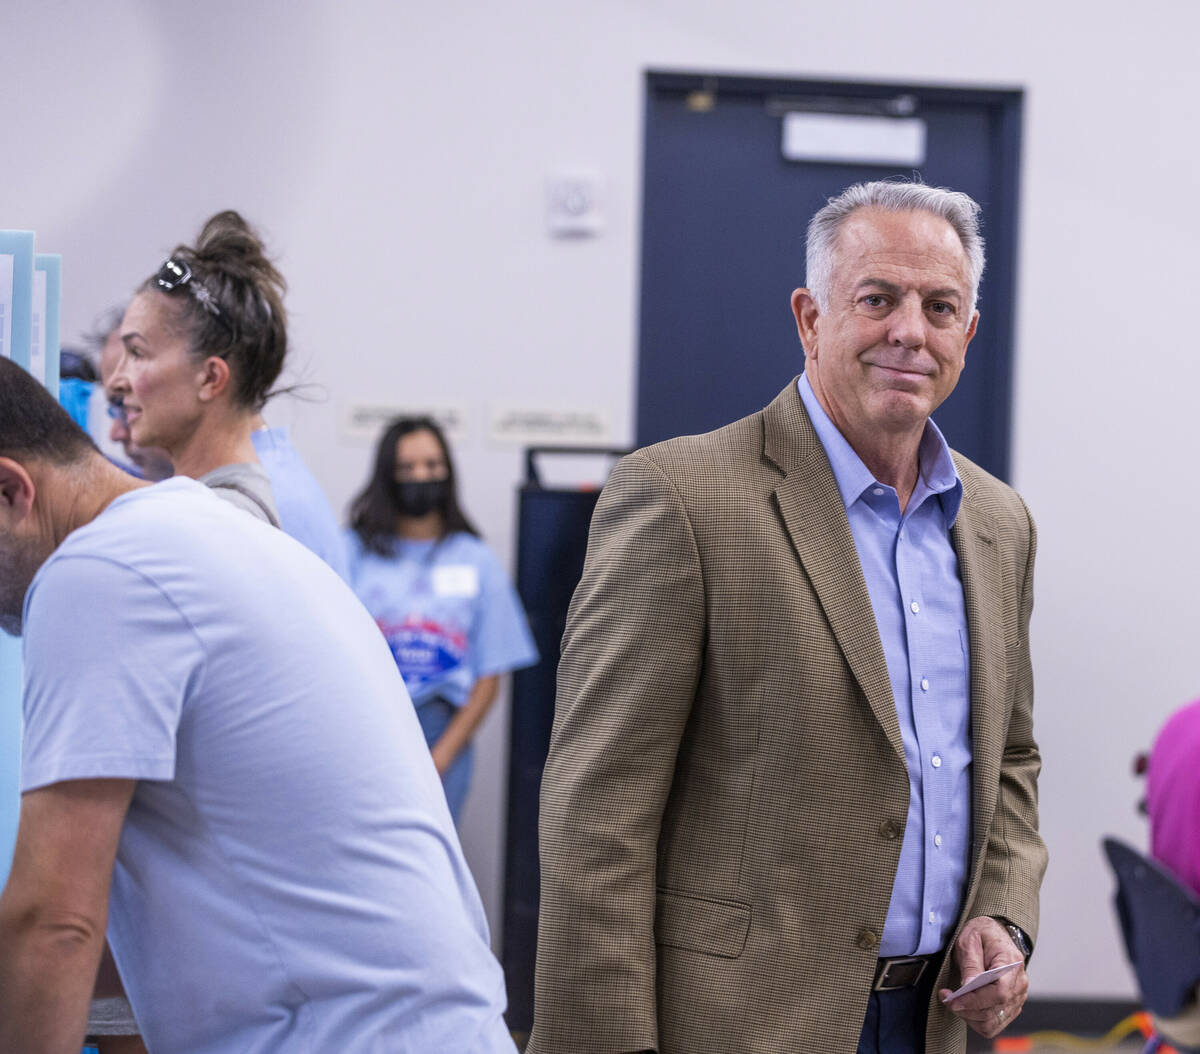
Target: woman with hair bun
(451, 617)
(205, 340)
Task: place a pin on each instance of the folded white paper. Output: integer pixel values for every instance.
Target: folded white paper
(979, 980)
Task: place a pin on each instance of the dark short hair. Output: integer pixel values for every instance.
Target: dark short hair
(250, 329)
(373, 513)
(32, 424)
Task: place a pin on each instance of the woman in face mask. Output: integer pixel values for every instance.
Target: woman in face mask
(441, 598)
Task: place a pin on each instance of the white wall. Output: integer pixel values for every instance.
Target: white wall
(396, 155)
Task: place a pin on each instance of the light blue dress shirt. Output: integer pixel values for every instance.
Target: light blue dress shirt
(912, 576)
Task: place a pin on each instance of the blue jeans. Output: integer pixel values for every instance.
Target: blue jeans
(435, 714)
(895, 1021)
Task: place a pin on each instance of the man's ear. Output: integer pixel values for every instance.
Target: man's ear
(16, 492)
(971, 331)
(215, 377)
(804, 307)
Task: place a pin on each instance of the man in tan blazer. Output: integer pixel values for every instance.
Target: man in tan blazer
(791, 795)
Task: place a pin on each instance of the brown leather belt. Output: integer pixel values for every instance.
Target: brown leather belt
(903, 971)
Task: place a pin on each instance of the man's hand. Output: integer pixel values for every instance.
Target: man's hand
(983, 944)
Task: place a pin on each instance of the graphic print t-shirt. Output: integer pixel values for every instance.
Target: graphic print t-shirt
(447, 610)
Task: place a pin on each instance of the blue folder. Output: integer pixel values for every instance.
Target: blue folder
(16, 319)
(16, 295)
(47, 269)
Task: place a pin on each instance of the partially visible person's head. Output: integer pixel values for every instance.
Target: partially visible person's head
(152, 462)
(37, 439)
(413, 476)
(207, 332)
(825, 228)
(76, 382)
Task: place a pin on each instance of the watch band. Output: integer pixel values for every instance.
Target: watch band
(1020, 940)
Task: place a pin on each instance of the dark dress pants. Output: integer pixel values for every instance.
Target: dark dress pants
(895, 1021)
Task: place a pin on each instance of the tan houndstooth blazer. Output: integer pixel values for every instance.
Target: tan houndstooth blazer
(723, 805)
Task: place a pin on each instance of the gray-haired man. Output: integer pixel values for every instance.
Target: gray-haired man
(791, 793)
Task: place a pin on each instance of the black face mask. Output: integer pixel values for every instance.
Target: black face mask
(421, 498)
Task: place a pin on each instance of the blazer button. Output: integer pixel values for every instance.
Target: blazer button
(868, 940)
(889, 830)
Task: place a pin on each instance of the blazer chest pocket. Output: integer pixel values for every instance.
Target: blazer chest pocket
(698, 924)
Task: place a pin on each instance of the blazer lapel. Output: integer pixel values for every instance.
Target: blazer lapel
(815, 517)
(979, 564)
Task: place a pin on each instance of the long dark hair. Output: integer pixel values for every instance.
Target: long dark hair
(373, 513)
(249, 328)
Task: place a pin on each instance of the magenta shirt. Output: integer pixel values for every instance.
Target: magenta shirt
(1173, 795)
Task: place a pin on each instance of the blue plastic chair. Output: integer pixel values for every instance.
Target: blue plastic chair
(1160, 922)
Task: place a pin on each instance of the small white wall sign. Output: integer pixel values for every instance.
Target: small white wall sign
(365, 422)
(525, 426)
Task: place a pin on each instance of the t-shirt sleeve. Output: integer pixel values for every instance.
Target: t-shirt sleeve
(108, 660)
(500, 638)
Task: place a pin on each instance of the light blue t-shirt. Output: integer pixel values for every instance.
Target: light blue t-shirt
(288, 877)
(447, 610)
(304, 510)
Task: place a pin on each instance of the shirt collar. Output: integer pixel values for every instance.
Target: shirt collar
(938, 474)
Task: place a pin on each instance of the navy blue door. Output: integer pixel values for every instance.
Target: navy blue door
(724, 217)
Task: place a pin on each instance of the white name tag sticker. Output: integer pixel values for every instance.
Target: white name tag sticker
(456, 580)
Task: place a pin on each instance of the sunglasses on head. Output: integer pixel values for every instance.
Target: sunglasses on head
(175, 274)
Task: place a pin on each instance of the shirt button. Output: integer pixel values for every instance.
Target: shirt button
(867, 940)
(878, 492)
(932, 917)
(936, 761)
(924, 684)
(937, 840)
(914, 607)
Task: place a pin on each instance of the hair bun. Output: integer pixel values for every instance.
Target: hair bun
(227, 243)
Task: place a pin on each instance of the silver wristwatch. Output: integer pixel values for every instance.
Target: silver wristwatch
(1020, 940)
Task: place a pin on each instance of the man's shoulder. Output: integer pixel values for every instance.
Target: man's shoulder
(730, 451)
(131, 532)
(139, 518)
(989, 496)
(179, 531)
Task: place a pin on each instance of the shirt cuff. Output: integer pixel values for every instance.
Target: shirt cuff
(95, 767)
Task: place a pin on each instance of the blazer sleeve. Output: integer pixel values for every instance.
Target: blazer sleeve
(1015, 856)
(631, 659)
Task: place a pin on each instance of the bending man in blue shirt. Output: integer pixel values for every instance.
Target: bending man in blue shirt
(235, 795)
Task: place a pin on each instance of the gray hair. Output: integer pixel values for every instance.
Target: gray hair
(105, 326)
(957, 209)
